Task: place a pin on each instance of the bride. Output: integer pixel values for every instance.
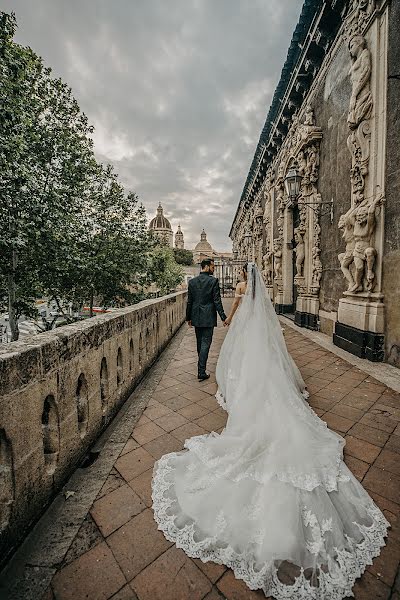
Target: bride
(270, 497)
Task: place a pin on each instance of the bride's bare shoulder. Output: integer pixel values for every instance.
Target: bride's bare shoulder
(240, 288)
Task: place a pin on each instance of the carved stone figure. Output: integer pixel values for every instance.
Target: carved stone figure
(280, 200)
(313, 163)
(281, 171)
(267, 201)
(267, 267)
(317, 267)
(300, 251)
(364, 254)
(360, 74)
(308, 126)
(309, 116)
(346, 258)
(358, 226)
(277, 259)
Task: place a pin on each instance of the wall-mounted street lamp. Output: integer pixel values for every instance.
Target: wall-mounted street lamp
(292, 186)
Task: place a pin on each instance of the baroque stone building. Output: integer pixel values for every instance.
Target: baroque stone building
(319, 211)
(161, 227)
(203, 249)
(179, 240)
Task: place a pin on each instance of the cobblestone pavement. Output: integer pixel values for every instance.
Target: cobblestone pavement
(119, 553)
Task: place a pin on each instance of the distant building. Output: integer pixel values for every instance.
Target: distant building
(179, 240)
(222, 260)
(203, 249)
(161, 227)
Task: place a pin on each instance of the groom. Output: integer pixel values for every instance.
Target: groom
(204, 300)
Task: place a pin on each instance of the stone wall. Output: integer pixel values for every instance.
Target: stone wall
(59, 390)
(391, 258)
(331, 107)
(330, 251)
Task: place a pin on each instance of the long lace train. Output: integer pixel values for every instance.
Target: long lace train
(263, 531)
(270, 497)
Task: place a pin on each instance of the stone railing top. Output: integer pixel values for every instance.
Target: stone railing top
(35, 355)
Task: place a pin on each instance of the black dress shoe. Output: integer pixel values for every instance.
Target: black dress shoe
(204, 377)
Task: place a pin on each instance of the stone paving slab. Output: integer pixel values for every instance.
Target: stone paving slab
(119, 554)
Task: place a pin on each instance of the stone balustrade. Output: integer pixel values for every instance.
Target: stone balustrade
(59, 390)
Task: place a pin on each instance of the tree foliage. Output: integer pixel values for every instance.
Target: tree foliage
(183, 257)
(67, 228)
(164, 270)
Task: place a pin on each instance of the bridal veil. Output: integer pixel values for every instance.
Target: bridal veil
(270, 497)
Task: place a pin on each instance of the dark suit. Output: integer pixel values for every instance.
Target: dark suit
(204, 300)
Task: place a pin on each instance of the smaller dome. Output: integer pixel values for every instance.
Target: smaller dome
(203, 245)
(159, 221)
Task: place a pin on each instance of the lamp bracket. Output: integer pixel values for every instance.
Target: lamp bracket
(315, 205)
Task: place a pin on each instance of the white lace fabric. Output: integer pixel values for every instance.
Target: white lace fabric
(262, 531)
(270, 497)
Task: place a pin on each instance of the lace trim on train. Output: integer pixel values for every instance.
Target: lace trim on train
(345, 567)
(324, 475)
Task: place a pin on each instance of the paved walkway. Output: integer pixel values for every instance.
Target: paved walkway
(118, 552)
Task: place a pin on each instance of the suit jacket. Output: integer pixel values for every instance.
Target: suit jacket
(204, 300)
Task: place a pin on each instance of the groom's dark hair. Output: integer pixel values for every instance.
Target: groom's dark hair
(206, 262)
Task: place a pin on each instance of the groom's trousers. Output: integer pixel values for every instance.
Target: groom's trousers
(204, 336)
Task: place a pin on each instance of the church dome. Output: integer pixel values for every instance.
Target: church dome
(203, 245)
(160, 221)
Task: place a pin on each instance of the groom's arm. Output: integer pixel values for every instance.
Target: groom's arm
(189, 303)
(217, 301)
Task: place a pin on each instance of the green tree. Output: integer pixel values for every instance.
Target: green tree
(110, 247)
(183, 257)
(45, 150)
(163, 269)
(67, 228)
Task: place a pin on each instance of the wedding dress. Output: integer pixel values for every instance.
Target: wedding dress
(270, 497)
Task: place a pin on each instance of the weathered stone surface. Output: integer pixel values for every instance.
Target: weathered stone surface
(235, 589)
(173, 576)
(47, 368)
(140, 550)
(137, 544)
(95, 574)
(391, 256)
(115, 509)
(361, 449)
(88, 536)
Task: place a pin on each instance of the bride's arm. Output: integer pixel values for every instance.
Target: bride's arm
(235, 304)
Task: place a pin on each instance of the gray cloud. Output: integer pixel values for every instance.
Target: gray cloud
(178, 91)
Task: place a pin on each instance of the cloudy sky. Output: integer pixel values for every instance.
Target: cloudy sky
(178, 92)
